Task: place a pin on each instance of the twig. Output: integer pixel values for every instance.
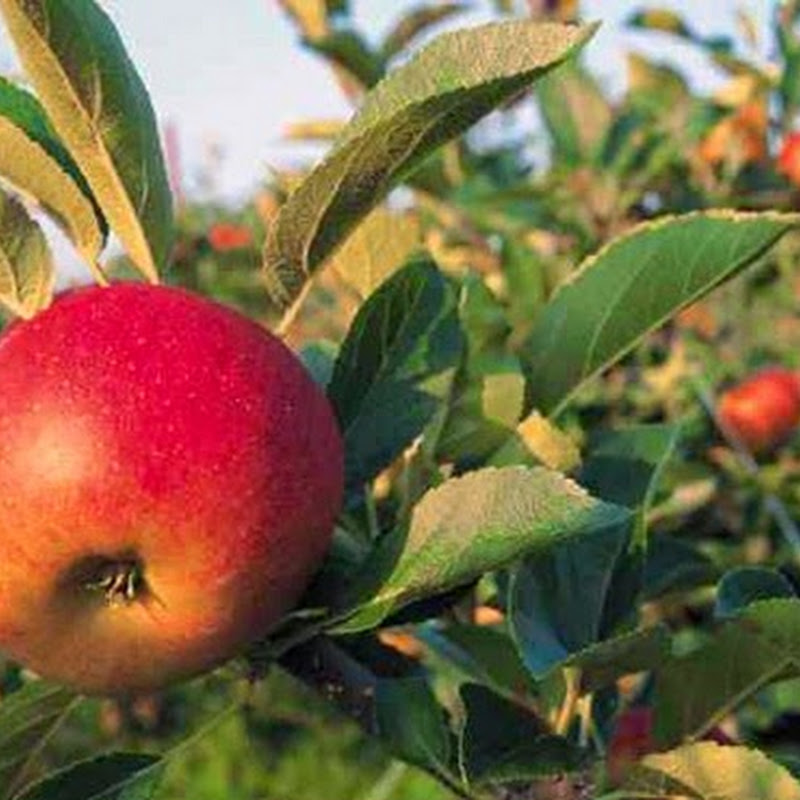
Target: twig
(572, 678)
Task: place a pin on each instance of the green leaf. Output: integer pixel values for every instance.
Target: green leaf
(745, 585)
(696, 690)
(561, 599)
(35, 162)
(27, 719)
(568, 600)
(100, 108)
(437, 96)
(537, 440)
(489, 390)
(412, 724)
(394, 368)
(626, 465)
(709, 771)
(483, 654)
(415, 22)
(604, 663)
(502, 741)
(660, 19)
(470, 525)
(348, 50)
(632, 286)
(483, 414)
(376, 249)
(26, 267)
(674, 565)
(575, 112)
(118, 776)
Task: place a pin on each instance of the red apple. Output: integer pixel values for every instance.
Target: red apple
(169, 480)
(789, 158)
(632, 739)
(226, 236)
(762, 410)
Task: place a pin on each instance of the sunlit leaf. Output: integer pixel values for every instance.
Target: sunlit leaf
(376, 249)
(26, 267)
(438, 95)
(709, 771)
(632, 286)
(479, 522)
(35, 162)
(99, 107)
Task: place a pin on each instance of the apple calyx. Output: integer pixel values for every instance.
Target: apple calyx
(119, 580)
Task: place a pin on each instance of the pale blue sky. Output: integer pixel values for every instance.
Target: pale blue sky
(232, 72)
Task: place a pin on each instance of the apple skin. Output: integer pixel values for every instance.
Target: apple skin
(763, 410)
(143, 425)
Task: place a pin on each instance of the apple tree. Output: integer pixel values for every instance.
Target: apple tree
(495, 605)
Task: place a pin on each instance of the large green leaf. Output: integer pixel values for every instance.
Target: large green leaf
(709, 771)
(377, 248)
(470, 525)
(561, 599)
(394, 368)
(412, 724)
(564, 602)
(438, 95)
(35, 162)
(27, 718)
(117, 776)
(694, 691)
(634, 285)
(100, 108)
(504, 742)
(26, 267)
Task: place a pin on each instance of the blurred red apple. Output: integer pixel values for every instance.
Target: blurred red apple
(763, 410)
(169, 480)
(226, 236)
(789, 158)
(632, 739)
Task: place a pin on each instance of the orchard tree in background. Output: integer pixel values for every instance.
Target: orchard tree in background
(558, 567)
